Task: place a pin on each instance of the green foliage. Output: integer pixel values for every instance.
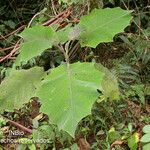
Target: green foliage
(109, 85)
(147, 90)
(26, 143)
(1, 134)
(2, 122)
(32, 147)
(44, 132)
(146, 147)
(146, 129)
(74, 147)
(19, 87)
(63, 85)
(63, 34)
(39, 38)
(132, 59)
(113, 135)
(68, 93)
(133, 141)
(102, 24)
(36, 40)
(99, 26)
(146, 137)
(139, 91)
(132, 70)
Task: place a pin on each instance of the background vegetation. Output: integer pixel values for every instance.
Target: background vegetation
(119, 125)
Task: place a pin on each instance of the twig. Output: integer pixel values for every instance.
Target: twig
(29, 24)
(57, 19)
(17, 30)
(16, 47)
(74, 50)
(63, 14)
(7, 48)
(23, 128)
(53, 7)
(135, 22)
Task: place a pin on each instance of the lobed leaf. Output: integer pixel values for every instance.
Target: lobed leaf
(39, 38)
(101, 25)
(36, 40)
(68, 93)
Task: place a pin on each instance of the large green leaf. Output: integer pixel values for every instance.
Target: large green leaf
(68, 93)
(101, 25)
(19, 87)
(36, 40)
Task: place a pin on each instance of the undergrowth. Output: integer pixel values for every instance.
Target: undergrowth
(112, 124)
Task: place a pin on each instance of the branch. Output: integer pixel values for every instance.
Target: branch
(57, 19)
(17, 30)
(23, 128)
(16, 47)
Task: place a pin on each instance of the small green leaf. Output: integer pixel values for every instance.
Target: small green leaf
(146, 129)
(101, 25)
(19, 87)
(113, 135)
(10, 23)
(133, 141)
(145, 138)
(68, 93)
(32, 147)
(130, 127)
(2, 121)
